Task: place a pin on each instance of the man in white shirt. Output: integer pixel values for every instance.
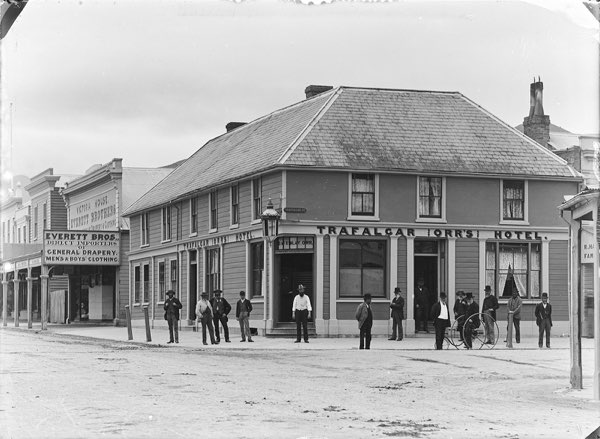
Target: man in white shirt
(301, 310)
(441, 320)
(204, 313)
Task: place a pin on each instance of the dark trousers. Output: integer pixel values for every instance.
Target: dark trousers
(173, 329)
(468, 331)
(397, 323)
(440, 332)
(207, 323)
(544, 326)
(420, 319)
(245, 327)
(223, 320)
(365, 336)
(517, 325)
(301, 324)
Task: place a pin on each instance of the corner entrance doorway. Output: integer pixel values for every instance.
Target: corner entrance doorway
(429, 266)
(294, 269)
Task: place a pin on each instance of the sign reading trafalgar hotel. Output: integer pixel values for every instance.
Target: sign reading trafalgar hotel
(81, 248)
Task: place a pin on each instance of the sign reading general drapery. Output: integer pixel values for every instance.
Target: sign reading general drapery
(81, 248)
(95, 213)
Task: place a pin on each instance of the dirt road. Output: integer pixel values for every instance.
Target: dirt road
(58, 386)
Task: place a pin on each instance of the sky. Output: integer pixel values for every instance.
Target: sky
(151, 81)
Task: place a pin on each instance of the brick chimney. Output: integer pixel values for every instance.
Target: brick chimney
(313, 90)
(537, 125)
(233, 125)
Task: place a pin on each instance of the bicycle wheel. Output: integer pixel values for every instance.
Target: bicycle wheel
(491, 331)
(474, 329)
(453, 337)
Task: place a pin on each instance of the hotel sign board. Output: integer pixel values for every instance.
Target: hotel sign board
(77, 247)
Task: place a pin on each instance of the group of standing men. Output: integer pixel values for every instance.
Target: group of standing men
(208, 312)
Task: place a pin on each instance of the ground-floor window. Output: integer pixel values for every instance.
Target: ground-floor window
(174, 276)
(146, 292)
(514, 265)
(136, 284)
(213, 270)
(257, 262)
(161, 281)
(362, 268)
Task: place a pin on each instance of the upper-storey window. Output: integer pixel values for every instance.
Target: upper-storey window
(166, 223)
(431, 197)
(363, 194)
(214, 213)
(256, 198)
(194, 215)
(363, 197)
(235, 204)
(35, 222)
(145, 231)
(45, 216)
(514, 200)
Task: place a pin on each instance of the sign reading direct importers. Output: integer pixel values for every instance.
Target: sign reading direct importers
(81, 247)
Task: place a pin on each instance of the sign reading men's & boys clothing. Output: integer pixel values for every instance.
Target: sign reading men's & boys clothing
(81, 248)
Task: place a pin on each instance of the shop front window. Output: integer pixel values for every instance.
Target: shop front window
(512, 266)
(362, 268)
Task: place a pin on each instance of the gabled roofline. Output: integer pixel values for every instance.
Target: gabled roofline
(328, 103)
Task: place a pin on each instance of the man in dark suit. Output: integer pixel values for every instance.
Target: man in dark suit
(172, 306)
(543, 318)
(364, 315)
(397, 307)
(220, 308)
(242, 314)
(460, 308)
(421, 301)
(441, 320)
(472, 321)
(488, 308)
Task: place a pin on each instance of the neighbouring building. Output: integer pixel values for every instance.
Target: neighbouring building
(91, 247)
(581, 212)
(579, 150)
(376, 188)
(33, 208)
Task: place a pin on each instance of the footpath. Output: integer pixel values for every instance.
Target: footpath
(192, 339)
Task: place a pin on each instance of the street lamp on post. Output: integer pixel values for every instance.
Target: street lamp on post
(270, 221)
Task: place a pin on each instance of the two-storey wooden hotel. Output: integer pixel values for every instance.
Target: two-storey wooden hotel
(377, 188)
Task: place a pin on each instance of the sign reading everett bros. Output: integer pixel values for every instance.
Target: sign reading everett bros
(81, 248)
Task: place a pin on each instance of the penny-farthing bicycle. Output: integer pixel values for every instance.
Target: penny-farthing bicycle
(482, 335)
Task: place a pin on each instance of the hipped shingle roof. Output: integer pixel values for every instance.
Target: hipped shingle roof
(364, 129)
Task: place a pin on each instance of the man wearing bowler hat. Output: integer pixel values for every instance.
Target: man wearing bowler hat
(397, 307)
(204, 313)
(220, 308)
(172, 306)
(488, 308)
(472, 321)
